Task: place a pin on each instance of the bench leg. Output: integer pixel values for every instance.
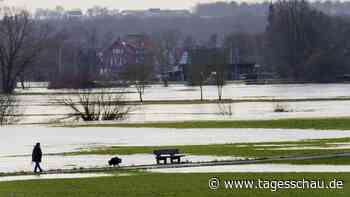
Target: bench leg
(175, 160)
(161, 159)
(178, 160)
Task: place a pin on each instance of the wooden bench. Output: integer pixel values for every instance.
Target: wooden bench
(163, 155)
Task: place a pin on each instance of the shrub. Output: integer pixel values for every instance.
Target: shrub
(100, 105)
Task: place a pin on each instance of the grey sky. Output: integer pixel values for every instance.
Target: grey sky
(118, 4)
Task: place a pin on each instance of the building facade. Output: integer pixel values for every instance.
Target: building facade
(128, 51)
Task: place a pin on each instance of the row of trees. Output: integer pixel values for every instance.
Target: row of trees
(216, 9)
(305, 44)
(21, 42)
(237, 9)
(300, 43)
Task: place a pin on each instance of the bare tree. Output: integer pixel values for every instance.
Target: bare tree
(140, 87)
(199, 70)
(220, 70)
(294, 41)
(95, 106)
(166, 43)
(198, 76)
(225, 109)
(220, 83)
(201, 83)
(139, 75)
(21, 42)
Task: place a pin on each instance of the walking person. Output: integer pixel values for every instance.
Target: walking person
(36, 157)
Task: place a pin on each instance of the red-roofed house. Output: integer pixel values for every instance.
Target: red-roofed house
(131, 50)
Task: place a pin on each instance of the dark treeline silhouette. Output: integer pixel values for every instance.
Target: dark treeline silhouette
(295, 39)
(304, 44)
(233, 8)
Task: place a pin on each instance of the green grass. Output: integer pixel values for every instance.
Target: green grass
(308, 123)
(169, 185)
(328, 161)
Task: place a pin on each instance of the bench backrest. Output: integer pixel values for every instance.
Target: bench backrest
(166, 152)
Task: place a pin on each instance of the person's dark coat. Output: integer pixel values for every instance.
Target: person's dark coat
(37, 154)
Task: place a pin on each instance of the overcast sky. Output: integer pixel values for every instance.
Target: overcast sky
(118, 4)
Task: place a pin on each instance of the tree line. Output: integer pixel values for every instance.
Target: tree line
(297, 42)
(305, 44)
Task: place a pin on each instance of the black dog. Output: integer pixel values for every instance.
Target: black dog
(115, 161)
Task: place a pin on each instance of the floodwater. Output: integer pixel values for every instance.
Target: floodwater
(16, 143)
(241, 111)
(23, 163)
(52, 176)
(41, 108)
(20, 140)
(258, 168)
(240, 91)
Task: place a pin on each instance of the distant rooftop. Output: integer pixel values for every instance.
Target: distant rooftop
(156, 12)
(75, 13)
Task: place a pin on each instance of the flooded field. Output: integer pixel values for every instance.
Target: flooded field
(38, 106)
(17, 143)
(38, 103)
(241, 111)
(182, 92)
(20, 141)
(22, 163)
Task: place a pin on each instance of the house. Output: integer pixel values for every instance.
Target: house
(177, 72)
(204, 59)
(74, 14)
(156, 12)
(130, 50)
(244, 71)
